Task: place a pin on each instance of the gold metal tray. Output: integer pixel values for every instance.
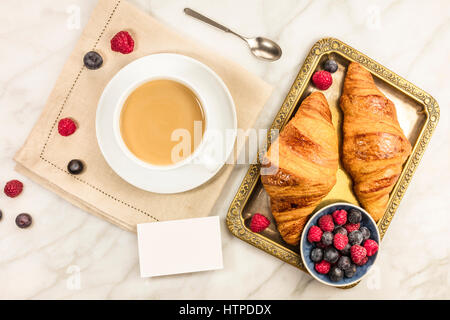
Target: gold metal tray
(418, 114)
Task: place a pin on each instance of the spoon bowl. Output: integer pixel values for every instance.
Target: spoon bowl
(264, 48)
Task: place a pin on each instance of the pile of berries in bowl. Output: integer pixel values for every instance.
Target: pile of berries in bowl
(339, 244)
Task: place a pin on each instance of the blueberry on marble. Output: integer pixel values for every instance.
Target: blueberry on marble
(23, 220)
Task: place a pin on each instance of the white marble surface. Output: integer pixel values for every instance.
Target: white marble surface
(66, 244)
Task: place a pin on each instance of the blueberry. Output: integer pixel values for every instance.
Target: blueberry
(330, 66)
(75, 166)
(355, 237)
(1, 214)
(340, 230)
(350, 272)
(344, 263)
(346, 250)
(331, 255)
(24, 220)
(365, 232)
(316, 254)
(92, 60)
(327, 238)
(354, 216)
(336, 274)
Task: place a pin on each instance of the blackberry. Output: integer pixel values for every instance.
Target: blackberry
(317, 255)
(330, 65)
(355, 237)
(336, 274)
(1, 214)
(344, 263)
(350, 272)
(365, 232)
(331, 255)
(75, 166)
(354, 216)
(346, 250)
(23, 220)
(340, 230)
(92, 60)
(327, 238)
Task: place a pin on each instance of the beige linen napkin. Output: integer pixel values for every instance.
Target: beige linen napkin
(98, 189)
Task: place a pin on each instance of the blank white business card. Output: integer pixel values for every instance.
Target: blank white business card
(179, 246)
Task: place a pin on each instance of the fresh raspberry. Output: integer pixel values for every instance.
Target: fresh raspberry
(351, 227)
(340, 241)
(358, 253)
(66, 127)
(314, 234)
(340, 217)
(322, 79)
(13, 188)
(322, 267)
(326, 223)
(122, 42)
(363, 261)
(371, 247)
(259, 223)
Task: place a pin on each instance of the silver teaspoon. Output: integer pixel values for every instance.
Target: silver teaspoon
(260, 47)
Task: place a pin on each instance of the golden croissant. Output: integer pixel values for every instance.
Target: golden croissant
(374, 146)
(305, 157)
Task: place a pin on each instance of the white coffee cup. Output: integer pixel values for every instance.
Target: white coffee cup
(201, 155)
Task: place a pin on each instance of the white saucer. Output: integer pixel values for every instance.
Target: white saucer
(221, 119)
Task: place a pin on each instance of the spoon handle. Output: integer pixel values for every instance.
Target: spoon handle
(207, 20)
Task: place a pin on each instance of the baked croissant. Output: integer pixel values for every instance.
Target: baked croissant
(374, 146)
(307, 151)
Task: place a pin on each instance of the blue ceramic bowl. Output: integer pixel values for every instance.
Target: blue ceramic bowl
(306, 246)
